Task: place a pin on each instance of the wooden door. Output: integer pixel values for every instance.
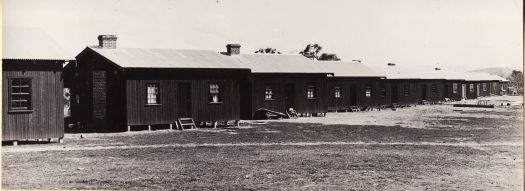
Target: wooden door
(393, 94)
(184, 100)
(289, 96)
(353, 95)
(424, 92)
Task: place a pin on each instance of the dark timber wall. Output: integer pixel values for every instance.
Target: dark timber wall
(139, 113)
(46, 117)
(353, 93)
(290, 90)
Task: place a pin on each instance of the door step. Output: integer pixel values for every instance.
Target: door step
(187, 122)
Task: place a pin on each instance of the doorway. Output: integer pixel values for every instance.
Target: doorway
(393, 95)
(463, 91)
(289, 96)
(353, 95)
(424, 92)
(184, 100)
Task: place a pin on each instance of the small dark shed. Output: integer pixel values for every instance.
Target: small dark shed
(32, 100)
(115, 89)
(281, 81)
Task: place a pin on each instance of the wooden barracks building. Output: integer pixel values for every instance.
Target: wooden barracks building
(121, 89)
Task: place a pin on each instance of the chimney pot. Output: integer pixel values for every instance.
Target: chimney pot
(107, 41)
(233, 49)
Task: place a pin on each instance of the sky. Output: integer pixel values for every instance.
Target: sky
(457, 35)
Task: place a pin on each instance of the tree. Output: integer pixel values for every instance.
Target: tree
(516, 80)
(311, 51)
(329, 57)
(267, 51)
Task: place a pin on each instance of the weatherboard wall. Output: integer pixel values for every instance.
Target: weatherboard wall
(45, 119)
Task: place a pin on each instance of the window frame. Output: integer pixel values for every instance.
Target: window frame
(434, 89)
(337, 92)
(313, 88)
(471, 88)
(454, 88)
(30, 95)
(158, 101)
(211, 94)
(368, 91)
(406, 90)
(271, 96)
(484, 87)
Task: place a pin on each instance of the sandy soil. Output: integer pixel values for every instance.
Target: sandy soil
(416, 148)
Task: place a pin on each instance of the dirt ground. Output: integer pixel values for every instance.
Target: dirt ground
(430, 147)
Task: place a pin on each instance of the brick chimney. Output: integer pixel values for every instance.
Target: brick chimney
(107, 41)
(233, 49)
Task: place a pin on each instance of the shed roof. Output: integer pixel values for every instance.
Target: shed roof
(168, 58)
(31, 44)
(280, 63)
(350, 69)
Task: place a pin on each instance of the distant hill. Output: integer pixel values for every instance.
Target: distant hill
(502, 72)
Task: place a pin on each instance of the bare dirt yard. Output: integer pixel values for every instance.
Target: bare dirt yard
(430, 147)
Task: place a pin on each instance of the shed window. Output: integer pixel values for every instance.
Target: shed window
(311, 91)
(153, 93)
(20, 94)
(406, 90)
(471, 88)
(337, 92)
(455, 88)
(368, 91)
(215, 93)
(484, 86)
(434, 89)
(268, 92)
(383, 92)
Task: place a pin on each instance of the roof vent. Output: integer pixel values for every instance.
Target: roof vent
(107, 41)
(437, 68)
(359, 61)
(391, 64)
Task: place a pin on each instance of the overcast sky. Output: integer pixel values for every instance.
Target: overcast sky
(451, 34)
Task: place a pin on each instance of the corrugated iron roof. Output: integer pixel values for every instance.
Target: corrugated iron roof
(32, 44)
(280, 63)
(168, 58)
(350, 69)
(396, 72)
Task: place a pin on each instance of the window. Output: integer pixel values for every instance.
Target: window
(471, 88)
(406, 90)
(268, 92)
(153, 94)
(77, 99)
(368, 91)
(383, 92)
(455, 88)
(434, 89)
(494, 86)
(215, 93)
(337, 91)
(484, 87)
(311, 91)
(20, 94)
